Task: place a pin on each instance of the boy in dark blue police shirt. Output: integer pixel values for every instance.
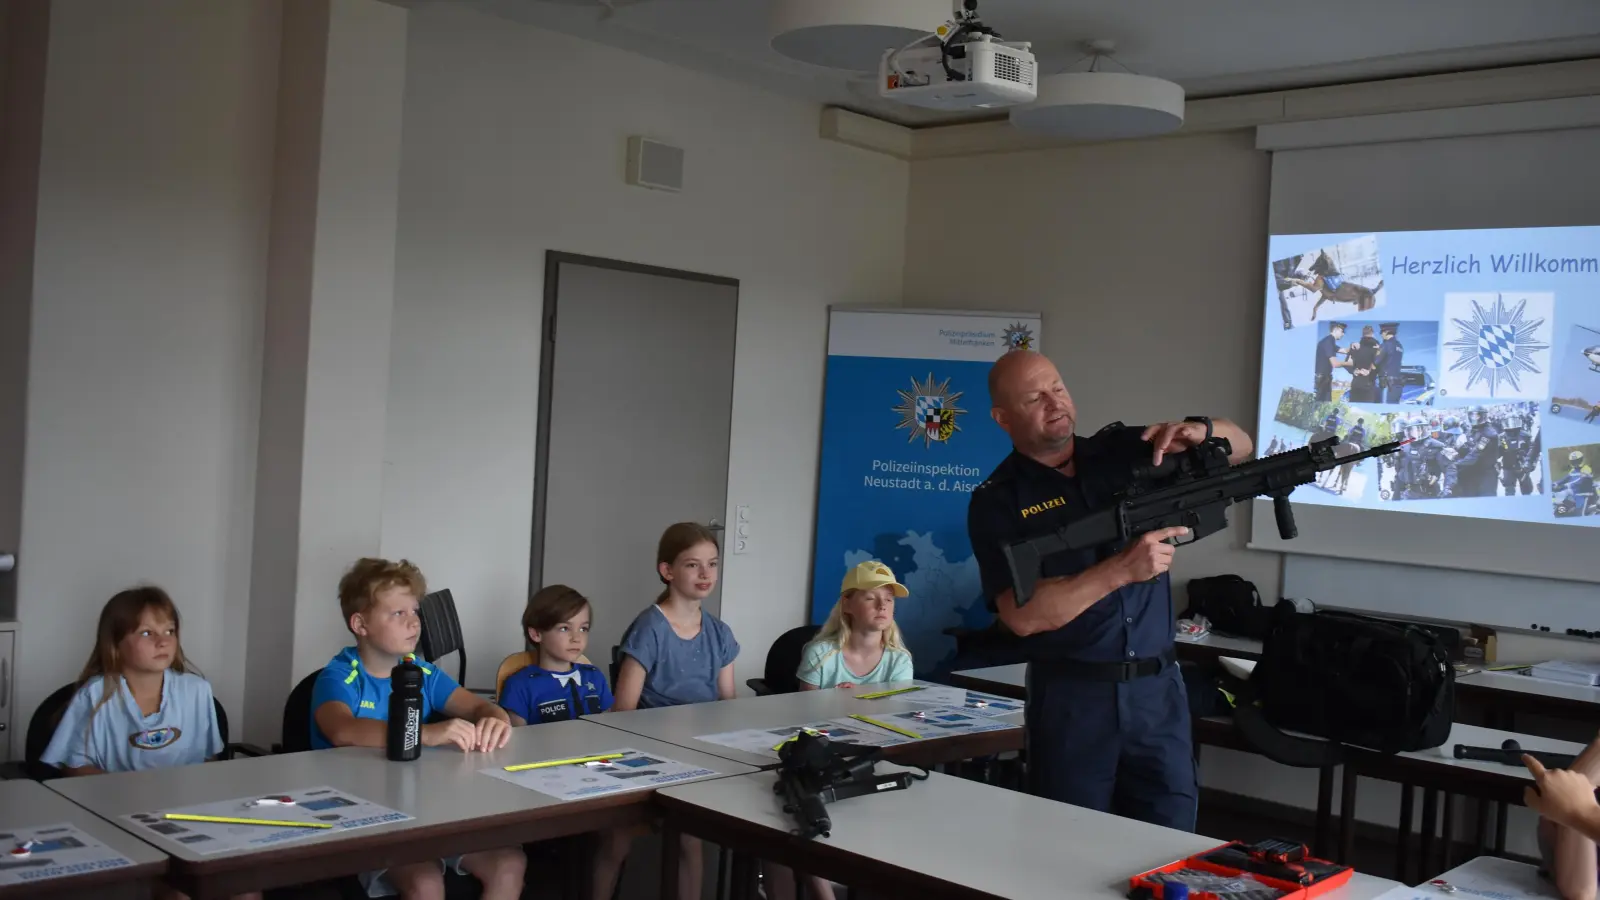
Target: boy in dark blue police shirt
(559, 685)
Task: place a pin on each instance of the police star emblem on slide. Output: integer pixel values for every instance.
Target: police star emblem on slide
(929, 411)
(1501, 344)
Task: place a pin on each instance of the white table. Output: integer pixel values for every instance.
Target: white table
(947, 837)
(1007, 681)
(456, 808)
(1220, 645)
(682, 725)
(1517, 686)
(1505, 877)
(29, 804)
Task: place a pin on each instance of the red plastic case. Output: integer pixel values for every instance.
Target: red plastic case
(1291, 890)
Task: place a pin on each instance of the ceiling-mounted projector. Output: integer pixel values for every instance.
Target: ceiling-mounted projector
(961, 64)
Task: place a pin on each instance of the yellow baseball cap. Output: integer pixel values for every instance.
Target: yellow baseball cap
(869, 575)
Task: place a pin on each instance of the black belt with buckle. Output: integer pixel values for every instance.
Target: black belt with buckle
(1108, 671)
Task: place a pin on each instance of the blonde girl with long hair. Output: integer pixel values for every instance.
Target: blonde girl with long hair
(860, 643)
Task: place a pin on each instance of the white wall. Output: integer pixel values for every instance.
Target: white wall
(154, 185)
(514, 143)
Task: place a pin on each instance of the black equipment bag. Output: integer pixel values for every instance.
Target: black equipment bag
(1348, 679)
(1231, 604)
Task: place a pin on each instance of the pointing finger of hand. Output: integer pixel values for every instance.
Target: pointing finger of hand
(1534, 766)
(1162, 534)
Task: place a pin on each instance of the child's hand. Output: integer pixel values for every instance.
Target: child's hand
(847, 684)
(1560, 795)
(451, 731)
(491, 733)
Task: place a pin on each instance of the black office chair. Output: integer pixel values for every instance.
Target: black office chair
(783, 661)
(295, 736)
(616, 669)
(441, 631)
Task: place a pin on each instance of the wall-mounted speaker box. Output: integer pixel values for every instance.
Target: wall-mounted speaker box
(655, 165)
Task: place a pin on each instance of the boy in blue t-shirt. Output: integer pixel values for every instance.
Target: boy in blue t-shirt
(557, 686)
(350, 708)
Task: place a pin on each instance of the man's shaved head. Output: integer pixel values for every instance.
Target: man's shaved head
(1029, 401)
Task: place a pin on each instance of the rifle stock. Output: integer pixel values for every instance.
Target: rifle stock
(1192, 489)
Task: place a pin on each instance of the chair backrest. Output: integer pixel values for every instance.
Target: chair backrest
(510, 666)
(515, 663)
(441, 631)
(297, 716)
(42, 727)
(222, 720)
(783, 659)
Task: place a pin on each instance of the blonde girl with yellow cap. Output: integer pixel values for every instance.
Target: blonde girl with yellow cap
(860, 643)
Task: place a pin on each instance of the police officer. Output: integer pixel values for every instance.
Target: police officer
(1327, 360)
(1108, 717)
(1476, 469)
(1516, 456)
(1363, 368)
(1391, 353)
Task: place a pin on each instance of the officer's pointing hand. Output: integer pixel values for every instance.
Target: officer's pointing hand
(1150, 555)
(1173, 436)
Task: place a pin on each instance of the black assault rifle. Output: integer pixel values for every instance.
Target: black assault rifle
(1193, 489)
(815, 772)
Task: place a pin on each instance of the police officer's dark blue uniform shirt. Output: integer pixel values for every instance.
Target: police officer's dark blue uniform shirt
(1391, 355)
(1327, 349)
(540, 695)
(1115, 746)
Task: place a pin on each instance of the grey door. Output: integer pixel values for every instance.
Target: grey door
(635, 411)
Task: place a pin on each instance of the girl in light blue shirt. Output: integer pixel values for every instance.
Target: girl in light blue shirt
(139, 704)
(860, 643)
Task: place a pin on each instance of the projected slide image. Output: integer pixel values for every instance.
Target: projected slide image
(1477, 452)
(1335, 281)
(1575, 379)
(1497, 345)
(1392, 363)
(1572, 485)
(1302, 419)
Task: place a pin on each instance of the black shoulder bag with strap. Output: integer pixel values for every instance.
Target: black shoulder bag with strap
(1348, 680)
(1231, 604)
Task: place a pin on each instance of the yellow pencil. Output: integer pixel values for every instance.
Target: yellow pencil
(230, 820)
(779, 745)
(910, 734)
(562, 762)
(905, 690)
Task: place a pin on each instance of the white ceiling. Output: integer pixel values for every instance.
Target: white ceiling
(1211, 47)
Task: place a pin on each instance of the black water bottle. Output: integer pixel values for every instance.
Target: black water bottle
(405, 711)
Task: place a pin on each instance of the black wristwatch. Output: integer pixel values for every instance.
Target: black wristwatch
(1205, 420)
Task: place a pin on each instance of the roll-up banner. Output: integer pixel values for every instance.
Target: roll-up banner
(906, 437)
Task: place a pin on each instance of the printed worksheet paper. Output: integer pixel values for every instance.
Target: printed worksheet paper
(323, 805)
(632, 771)
(61, 850)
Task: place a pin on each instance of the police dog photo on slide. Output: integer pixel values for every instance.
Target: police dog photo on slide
(1331, 282)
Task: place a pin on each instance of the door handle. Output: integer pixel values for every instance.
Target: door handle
(8, 561)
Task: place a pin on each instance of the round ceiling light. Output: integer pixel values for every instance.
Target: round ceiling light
(851, 34)
(1101, 106)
